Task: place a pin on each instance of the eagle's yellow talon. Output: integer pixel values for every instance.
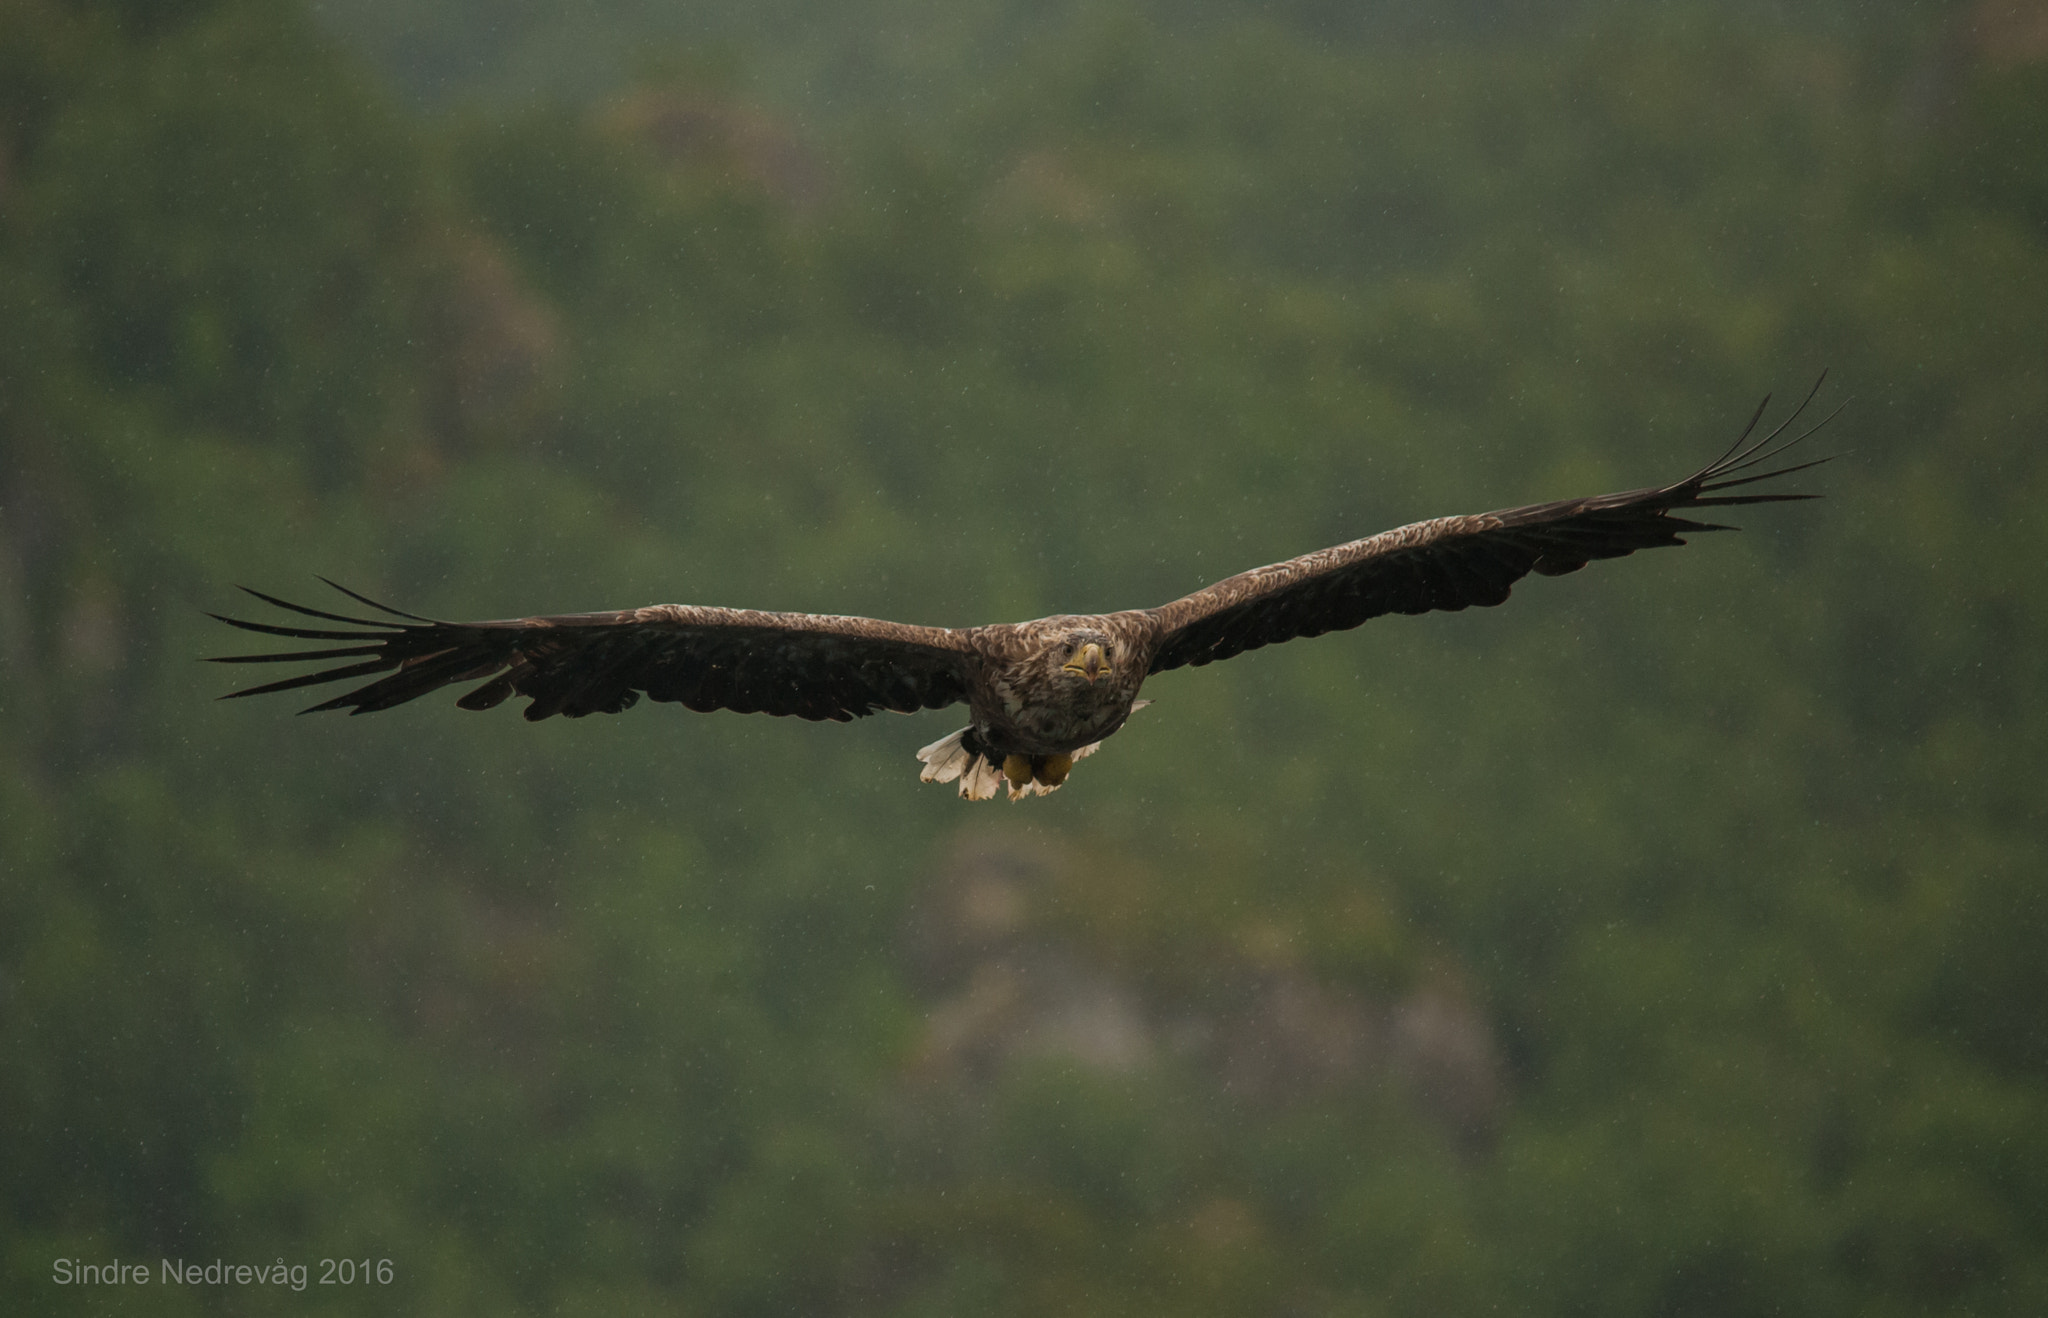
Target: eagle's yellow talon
(1017, 769)
(1054, 770)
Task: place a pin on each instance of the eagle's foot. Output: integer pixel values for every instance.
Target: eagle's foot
(1046, 772)
(1019, 770)
(1049, 770)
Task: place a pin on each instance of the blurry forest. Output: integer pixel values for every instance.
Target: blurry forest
(1668, 941)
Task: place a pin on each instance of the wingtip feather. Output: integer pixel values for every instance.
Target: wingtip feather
(365, 599)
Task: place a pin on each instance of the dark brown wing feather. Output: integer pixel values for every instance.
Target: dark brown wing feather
(810, 665)
(1455, 562)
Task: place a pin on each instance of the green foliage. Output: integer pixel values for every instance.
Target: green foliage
(1687, 913)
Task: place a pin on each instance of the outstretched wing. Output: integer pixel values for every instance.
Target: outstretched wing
(1455, 562)
(810, 665)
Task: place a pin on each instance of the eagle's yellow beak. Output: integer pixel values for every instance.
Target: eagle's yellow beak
(1089, 662)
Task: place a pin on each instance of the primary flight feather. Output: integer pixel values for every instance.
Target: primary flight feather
(1040, 694)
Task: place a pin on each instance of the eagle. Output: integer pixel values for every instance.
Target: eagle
(1040, 694)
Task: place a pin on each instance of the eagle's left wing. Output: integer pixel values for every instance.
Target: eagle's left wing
(814, 666)
(1455, 562)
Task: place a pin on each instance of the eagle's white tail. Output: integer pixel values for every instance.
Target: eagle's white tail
(946, 759)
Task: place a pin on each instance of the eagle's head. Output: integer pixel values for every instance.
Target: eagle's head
(1086, 654)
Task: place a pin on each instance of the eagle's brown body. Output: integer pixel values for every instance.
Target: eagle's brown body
(1040, 694)
(1024, 703)
(1033, 712)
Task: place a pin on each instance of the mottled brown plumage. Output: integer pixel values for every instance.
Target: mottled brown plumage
(1042, 693)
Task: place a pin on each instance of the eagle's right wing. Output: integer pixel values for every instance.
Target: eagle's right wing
(1455, 562)
(814, 666)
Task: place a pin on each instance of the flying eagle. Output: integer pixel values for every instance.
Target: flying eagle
(1040, 694)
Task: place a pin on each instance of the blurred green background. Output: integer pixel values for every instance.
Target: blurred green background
(1669, 941)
